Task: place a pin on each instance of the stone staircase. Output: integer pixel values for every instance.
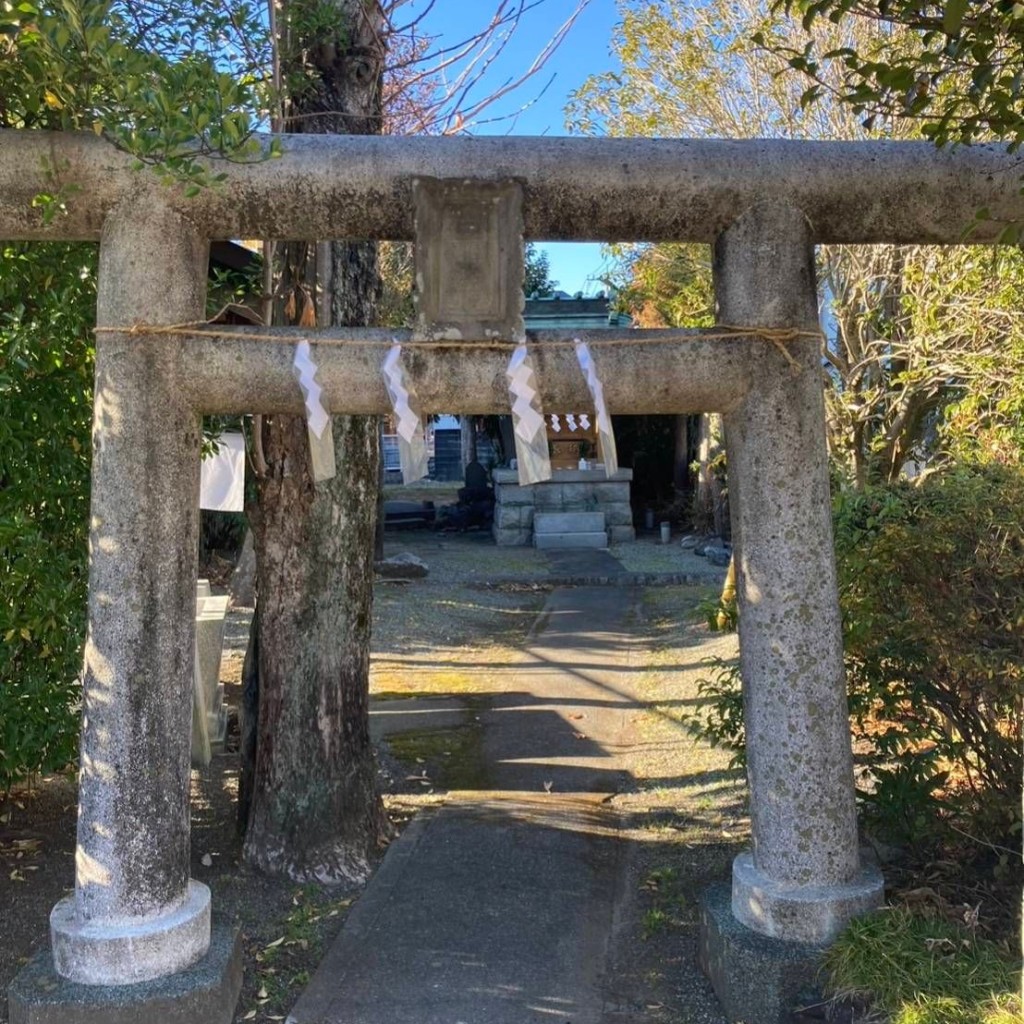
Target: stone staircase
(569, 530)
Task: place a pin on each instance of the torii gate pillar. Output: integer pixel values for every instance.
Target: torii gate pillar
(135, 942)
(802, 879)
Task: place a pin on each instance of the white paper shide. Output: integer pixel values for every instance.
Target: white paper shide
(412, 440)
(321, 438)
(534, 463)
(605, 435)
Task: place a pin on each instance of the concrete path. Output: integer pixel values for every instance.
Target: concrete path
(498, 907)
(562, 723)
(491, 910)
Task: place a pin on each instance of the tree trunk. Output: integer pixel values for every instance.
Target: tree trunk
(681, 473)
(467, 436)
(378, 537)
(315, 809)
(709, 511)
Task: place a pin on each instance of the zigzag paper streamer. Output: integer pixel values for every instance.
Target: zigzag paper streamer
(605, 435)
(321, 438)
(305, 369)
(527, 420)
(412, 440)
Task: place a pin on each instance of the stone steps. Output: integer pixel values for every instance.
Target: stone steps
(568, 522)
(571, 540)
(569, 530)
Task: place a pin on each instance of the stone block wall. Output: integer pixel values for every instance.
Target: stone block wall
(568, 490)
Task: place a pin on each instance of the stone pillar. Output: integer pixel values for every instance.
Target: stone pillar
(802, 880)
(135, 914)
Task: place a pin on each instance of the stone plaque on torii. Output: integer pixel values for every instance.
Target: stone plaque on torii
(135, 916)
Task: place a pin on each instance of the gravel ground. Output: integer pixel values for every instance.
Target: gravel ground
(649, 555)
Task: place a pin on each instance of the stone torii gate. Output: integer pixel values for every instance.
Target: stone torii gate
(136, 918)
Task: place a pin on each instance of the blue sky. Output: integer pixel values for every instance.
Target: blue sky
(583, 52)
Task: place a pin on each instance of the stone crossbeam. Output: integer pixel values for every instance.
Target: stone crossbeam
(576, 189)
(673, 371)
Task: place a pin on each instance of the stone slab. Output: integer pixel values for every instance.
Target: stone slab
(512, 494)
(549, 497)
(211, 611)
(469, 258)
(568, 522)
(209, 716)
(495, 908)
(597, 540)
(512, 538)
(621, 534)
(595, 476)
(206, 993)
(758, 980)
(618, 513)
(612, 491)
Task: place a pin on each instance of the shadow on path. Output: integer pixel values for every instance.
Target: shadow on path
(506, 905)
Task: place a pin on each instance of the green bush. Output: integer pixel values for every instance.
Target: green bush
(47, 302)
(932, 595)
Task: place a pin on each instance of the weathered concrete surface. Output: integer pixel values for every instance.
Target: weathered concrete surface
(582, 189)
(243, 375)
(758, 980)
(494, 908)
(205, 993)
(565, 723)
(805, 879)
(134, 915)
(499, 906)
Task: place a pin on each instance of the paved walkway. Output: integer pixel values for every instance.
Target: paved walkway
(499, 907)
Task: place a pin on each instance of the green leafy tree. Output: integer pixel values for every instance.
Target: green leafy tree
(47, 295)
(165, 82)
(170, 82)
(537, 283)
(910, 330)
(955, 73)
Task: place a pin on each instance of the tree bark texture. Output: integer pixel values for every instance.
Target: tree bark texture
(315, 811)
(681, 469)
(710, 511)
(467, 439)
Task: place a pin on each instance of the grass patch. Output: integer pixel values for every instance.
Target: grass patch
(284, 966)
(423, 683)
(918, 969)
(670, 907)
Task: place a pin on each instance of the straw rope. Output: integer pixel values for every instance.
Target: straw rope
(780, 337)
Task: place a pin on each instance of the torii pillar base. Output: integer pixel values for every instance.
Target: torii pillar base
(205, 993)
(755, 977)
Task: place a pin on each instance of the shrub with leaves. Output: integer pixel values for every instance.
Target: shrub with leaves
(932, 591)
(932, 596)
(47, 297)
